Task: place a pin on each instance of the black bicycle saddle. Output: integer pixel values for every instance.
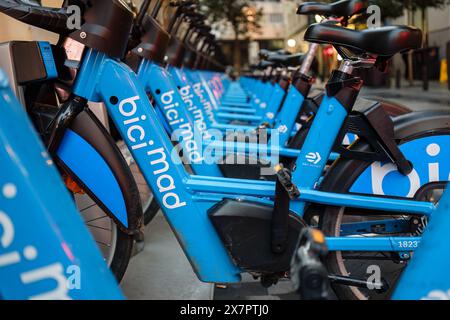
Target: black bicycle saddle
(106, 26)
(344, 8)
(264, 53)
(290, 60)
(262, 65)
(383, 42)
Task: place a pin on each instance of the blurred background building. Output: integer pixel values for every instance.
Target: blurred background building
(281, 28)
(278, 20)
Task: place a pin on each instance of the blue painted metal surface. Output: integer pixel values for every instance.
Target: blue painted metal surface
(286, 119)
(186, 124)
(426, 276)
(430, 158)
(385, 226)
(375, 244)
(48, 59)
(368, 202)
(80, 157)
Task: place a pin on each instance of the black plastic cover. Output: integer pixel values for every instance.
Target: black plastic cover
(154, 43)
(106, 26)
(246, 230)
(28, 63)
(246, 168)
(290, 60)
(176, 52)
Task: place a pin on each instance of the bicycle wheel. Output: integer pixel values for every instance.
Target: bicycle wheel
(346, 175)
(115, 245)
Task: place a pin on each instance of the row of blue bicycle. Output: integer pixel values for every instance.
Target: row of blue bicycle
(254, 175)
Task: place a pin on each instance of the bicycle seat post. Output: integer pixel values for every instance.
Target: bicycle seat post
(312, 51)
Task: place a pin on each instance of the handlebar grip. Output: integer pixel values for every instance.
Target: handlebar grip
(51, 19)
(182, 3)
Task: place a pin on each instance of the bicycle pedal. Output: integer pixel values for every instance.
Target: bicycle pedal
(285, 178)
(221, 286)
(309, 275)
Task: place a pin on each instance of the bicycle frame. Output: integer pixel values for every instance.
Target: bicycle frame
(163, 86)
(185, 199)
(178, 106)
(46, 251)
(283, 121)
(171, 105)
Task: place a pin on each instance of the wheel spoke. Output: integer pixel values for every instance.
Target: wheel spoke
(96, 219)
(98, 227)
(87, 208)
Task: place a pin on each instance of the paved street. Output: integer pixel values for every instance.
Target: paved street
(161, 271)
(413, 97)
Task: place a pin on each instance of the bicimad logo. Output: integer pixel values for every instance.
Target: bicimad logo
(313, 157)
(138, 140)
(282, 129)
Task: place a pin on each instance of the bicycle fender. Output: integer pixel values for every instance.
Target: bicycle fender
(89, 155)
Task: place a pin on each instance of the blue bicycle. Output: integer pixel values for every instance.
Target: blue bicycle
(230, 226)
(92, 166)
(46, 252)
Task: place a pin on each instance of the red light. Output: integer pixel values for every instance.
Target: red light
(329, 51)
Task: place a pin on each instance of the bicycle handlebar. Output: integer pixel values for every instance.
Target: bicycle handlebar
(51, 19)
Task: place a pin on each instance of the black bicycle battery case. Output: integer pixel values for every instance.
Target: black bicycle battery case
(26, 62)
